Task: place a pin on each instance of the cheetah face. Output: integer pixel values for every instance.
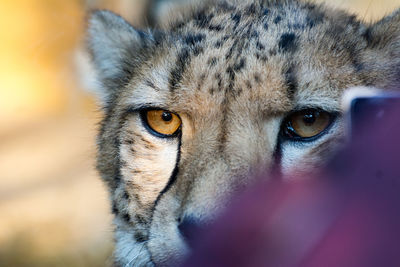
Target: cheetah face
(194, 110)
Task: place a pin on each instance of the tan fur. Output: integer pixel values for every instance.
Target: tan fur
(232, 70)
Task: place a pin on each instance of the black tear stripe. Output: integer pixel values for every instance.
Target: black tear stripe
(173, 176)
(182, 61)
(277, 160)
(291, 82)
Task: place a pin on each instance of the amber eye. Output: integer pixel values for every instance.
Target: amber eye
(162, 122)
(307, 123)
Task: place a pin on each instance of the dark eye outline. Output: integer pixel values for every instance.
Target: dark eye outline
(289, 134)
(143, 116)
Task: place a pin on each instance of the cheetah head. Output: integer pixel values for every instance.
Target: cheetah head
(195, 108)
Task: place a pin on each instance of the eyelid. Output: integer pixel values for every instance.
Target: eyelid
(335, 112)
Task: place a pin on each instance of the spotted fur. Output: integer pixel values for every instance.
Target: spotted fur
(232, 70)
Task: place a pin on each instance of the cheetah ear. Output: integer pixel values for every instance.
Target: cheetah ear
(383, 50)
(116, 50)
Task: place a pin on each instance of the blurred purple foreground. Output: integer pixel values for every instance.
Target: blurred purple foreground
(348, 215)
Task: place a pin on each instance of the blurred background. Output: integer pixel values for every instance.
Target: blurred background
(53, 207)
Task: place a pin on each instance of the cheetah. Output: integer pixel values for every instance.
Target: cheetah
(225, 89)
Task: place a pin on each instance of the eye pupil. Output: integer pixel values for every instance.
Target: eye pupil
(310, 118)
(166, 116)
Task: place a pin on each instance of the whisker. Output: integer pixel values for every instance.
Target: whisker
(137, 256)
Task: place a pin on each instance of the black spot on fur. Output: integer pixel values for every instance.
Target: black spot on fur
(182, 61)
(201, 81)
(367, 35)
(277, 19)
(128, 141)
(265, 12)
(236, 18)
(126, 217)
(291, 81)
(310, 23)
(264, 58)
(150, 83)
(314, 17)
(254, 35)
(296, 26)
(193, 39)
(230, 51)
(261, 57)
(117, 177)
(202, 20)
(287, 42)
(226, 7)
(240, 46)
(272, 52)
(310, 6)
(249, 85)
(125, 195)
(140, 237)
(211, 91)
(250, 9)
(218, 77)
(178, 25)
(140, 219)
(218, 44)
(198, 50)
(114, 209)
(239, 65)
(257, 78)
(260, 46)
(238, 91)
(232, 76)
(216, 28)
(265, 26)
(212, 62)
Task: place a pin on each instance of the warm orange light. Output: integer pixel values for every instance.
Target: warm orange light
(37, 41)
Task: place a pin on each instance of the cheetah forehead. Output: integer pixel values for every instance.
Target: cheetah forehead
(274, 54)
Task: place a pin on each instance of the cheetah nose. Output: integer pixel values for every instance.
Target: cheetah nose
(190, 229)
